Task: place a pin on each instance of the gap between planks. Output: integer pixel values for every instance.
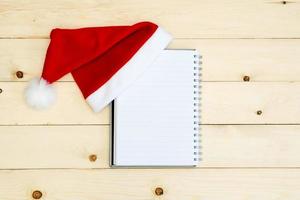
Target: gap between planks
(147, 168)
(211, 124)
(177, 38)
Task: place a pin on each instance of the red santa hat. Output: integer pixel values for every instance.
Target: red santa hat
(102, 60)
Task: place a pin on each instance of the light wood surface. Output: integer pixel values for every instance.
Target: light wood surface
(65, 146)
(69, 107)
(238, 103)
(184, 19)
(244, 155)
(69, 146)
(136, 184)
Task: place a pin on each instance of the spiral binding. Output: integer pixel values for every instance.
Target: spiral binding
(196, 131)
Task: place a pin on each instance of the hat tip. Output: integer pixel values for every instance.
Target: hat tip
(40, 94)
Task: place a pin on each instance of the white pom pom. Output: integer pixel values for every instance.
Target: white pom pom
(40, 94)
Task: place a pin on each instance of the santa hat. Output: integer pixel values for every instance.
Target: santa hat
(102, 60)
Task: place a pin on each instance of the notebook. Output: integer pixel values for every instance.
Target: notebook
(156, 119)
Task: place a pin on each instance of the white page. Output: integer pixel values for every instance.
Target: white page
(154, 117)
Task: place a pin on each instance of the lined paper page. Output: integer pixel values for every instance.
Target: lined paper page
(153, 123)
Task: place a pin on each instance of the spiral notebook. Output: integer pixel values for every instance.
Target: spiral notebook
(156, 120)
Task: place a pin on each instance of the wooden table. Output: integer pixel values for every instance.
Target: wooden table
(250, 103)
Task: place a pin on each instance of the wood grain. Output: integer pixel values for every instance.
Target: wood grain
(69, 108)
(223, 60)
(223, 146)
(238, 103)
(53, 146)
(260, 59)
(184, 19)
(250, 146)
(136, 184)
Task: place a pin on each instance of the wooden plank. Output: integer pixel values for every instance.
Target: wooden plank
(261, 60)
(22, 55)
(53, 146)
(250, 146)
(223, 60)
(69, 108)
(184, 19)
(222, 103)
(136, 184)
(230, 146)
(238, 103)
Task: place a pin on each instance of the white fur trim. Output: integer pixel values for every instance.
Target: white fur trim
(130, 71)
(39, 94)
